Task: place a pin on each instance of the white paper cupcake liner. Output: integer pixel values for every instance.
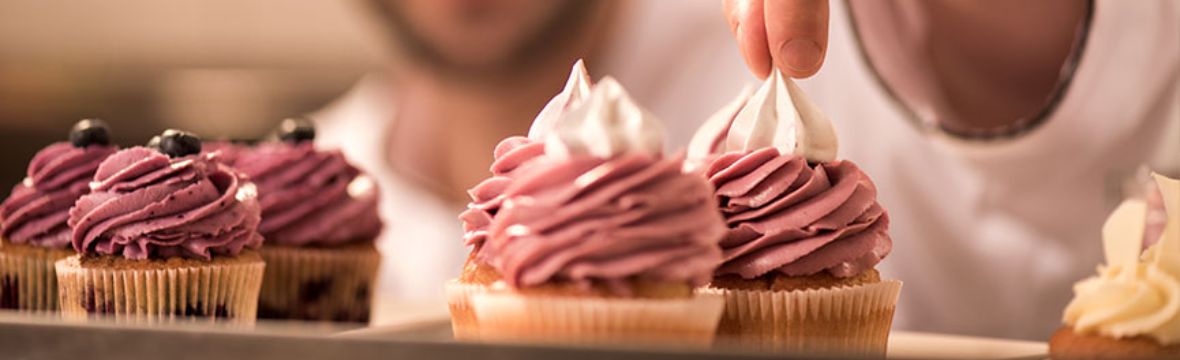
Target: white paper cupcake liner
(215, 292)
(28, 281)
(505, 316)
(463, 323)
(319, 284)
(851, 320)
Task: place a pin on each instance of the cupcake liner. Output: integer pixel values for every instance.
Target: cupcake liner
(28, 281)
(513, 317)
(217, 291)
(463, 324)
(852, 320)
(318, 284)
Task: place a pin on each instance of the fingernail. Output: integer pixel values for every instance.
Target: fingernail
(802, 55)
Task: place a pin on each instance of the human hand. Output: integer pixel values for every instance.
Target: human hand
(791, 35)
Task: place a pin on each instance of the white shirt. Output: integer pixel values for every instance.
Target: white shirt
(988, 238)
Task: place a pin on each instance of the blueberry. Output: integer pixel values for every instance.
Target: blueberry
(314, 290)
(296, 130)
(88, 132)
(176, 143)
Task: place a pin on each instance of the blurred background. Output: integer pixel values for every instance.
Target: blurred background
(220, 68)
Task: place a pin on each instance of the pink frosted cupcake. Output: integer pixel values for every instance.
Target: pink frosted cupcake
(805, 229)
(227, 151)
(602, 239)
(488, 196)
(33, 229)
(165, 234)
(319, 218)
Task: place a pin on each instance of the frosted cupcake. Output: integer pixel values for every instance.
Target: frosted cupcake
(1131, 309)
(33, 229)
(602, 239)
(488, 196)
(804, 229)
(319, 218)
(227, 151)
(166, 233)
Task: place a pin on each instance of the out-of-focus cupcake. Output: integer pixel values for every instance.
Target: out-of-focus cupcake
(227, 151)
(33, 229)
(319, 218)
(165, 234)
(488, 196)
(1131, 309)
(805, 229)
(602, 239)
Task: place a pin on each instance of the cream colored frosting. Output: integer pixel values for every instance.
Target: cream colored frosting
(576, 90)
(1134, 294)
(777, 115)
(711, 134)
(606, 124)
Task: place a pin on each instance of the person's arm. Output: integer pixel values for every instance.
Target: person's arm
(794, 42)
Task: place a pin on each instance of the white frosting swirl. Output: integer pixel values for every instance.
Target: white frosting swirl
(576, 90)
(1134, 294)
(711, 134)
(606, 124)
(778, 114)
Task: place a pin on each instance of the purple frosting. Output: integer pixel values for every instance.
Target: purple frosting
(590, 220)
(227, 151)
(310, 197)
(796, 218)
(36, 211)
(145, 205)
(488, 195)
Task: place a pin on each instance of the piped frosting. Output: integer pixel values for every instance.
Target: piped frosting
(607, 124)
(777, 115)
(1134, 294)
(576, 90)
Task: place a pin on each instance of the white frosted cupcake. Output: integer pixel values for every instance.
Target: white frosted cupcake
(1131, 309)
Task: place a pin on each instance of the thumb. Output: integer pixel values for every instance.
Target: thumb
(797, 33)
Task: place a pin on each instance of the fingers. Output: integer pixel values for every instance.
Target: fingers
(748, 24)
(796, 35)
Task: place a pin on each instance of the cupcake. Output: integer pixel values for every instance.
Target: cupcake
(1131, 309)
(33, 229)
(165, 234)
(227, 151)
(487, 197)
(804, 229)
(319, 218)
(602, 239)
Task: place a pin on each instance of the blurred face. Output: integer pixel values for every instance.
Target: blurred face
(481, 35)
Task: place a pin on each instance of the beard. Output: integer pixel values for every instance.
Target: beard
(553, 36)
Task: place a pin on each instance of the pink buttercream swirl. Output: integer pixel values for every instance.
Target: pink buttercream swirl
(310, 197)
(795, 218)
(36, 211)
(227, 151)
(144, 205)
(591, 220)
(488, 196)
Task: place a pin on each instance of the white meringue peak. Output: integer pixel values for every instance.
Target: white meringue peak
(577, 89)
(606, 124)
